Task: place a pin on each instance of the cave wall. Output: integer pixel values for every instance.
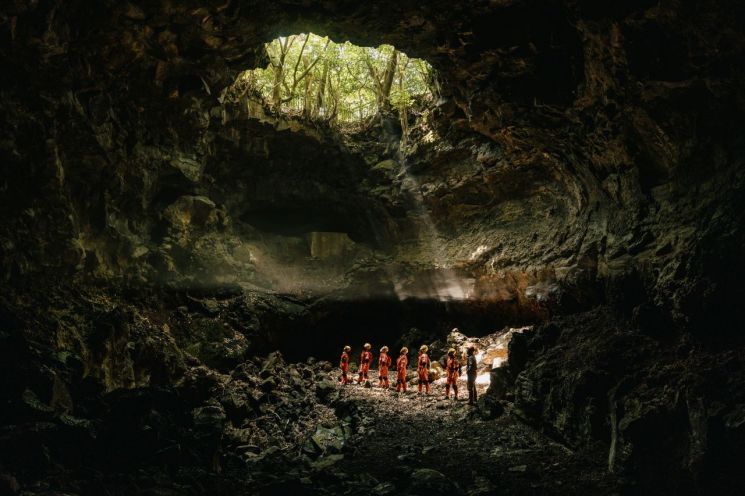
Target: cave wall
(582, 152)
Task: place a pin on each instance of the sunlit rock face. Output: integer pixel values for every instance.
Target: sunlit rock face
(580, 153)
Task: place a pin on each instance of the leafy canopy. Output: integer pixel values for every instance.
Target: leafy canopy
(313, 77)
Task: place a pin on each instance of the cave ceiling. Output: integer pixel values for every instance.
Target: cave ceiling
(574, 141)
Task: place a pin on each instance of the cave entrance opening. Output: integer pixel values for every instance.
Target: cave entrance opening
(311, 77)
(339, 224)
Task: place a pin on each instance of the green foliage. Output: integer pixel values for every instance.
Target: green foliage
(342, 83)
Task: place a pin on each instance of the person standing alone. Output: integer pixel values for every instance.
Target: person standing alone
(471, 375)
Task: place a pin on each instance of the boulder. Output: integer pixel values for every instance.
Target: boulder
(325, 389)
(191, 211)
(328, 440)
(273, 361)
(237, 405)
(456, 338)
(436, 371)
(384, 489)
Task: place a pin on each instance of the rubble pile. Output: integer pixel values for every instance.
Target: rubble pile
(491, 351)
(209, 426)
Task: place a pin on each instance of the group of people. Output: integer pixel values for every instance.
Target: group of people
(452, 369)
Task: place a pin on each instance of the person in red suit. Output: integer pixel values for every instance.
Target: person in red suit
(423, 368)
(401, 364)
(384, 361)
(453, 372)
(365, 361)
(344, 365)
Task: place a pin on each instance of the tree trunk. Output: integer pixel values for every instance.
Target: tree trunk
(277, 86)
(321, 90)
(279, 72)
(308, 100)
(403, 111)
(384, 101)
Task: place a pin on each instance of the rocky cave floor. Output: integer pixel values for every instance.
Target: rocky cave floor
(233, 422)
(271, 427)
(425, 444)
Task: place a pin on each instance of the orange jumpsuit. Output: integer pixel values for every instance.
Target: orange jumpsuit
(423, 370)
(383, 363)
(401, 365)
(453, 371)
(344, 366)
(365, 359)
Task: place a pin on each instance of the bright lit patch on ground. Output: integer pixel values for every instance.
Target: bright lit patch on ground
(483, 379)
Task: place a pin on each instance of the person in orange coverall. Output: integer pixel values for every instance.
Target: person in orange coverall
(384, 361)
(401, 364)
(365, 360)
(453, 372)
(344, 365)
(423, 368)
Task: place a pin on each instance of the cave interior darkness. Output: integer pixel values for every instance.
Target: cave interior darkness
(181, 263)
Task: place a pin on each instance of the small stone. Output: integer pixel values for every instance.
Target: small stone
(429, 481)
(383, 489)
(518, 468)
(326, 462)
(249, 448)
(481, 487)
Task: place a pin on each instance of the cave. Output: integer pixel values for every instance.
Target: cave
(187, 245)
